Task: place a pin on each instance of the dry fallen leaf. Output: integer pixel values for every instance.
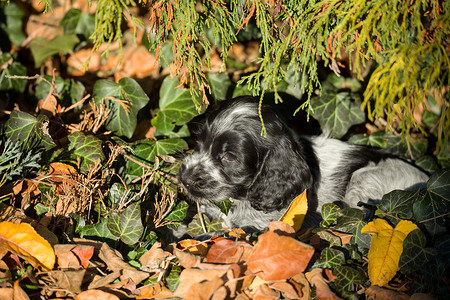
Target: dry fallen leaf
(19, 293)
(206, 289)
(186, 259)
(386, 248)
(189, 277)
(228, 251)
(276, 257)
(65, 258)
(96, 295)
(323, 291)
(193, 246)
(23, 240)
(264, 292)
(376, 292)
(295, 214)
(154, 291)
(152, 259)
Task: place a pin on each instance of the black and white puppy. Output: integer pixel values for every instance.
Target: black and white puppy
(262, 175)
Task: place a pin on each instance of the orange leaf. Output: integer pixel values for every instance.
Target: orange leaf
(323, 291)
(295, 214)
(22, 239)
(276, 257)
(154, 291)
(227, 252)
(189, 277)
(84, 254)
(95, 295)
(193, 246)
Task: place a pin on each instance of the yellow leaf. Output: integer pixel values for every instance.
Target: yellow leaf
(295, 214)
(386, 248)
(22, 239)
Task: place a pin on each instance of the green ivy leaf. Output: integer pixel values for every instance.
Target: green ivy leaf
(334, 240)
(28, 130)
(376, 139)
(348, 280)
(399, 146)
(124, 99)
(70, 90)
(79, 222)
(12, 22)
(330, 212)
(415, 255)
(439, 185)
(13, 84)
(351, 220)
(98, 230)
(430, 212)
(330, 258)
(220, 84)
(398, 204)
(42, 48)
(337, 111)
(427, 163)
(146, 150)
(76, 22)
(175, 107)
(195, 227)
(87, 147)
(224, 206)
(178, 213)
(127, 225)
(173, 279)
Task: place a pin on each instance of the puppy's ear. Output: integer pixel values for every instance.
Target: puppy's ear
(283, 174)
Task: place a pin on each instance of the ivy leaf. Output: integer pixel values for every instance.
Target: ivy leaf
(195, 227)
(397, 205)
(127, 225)
(178, 213)
(351, 220)
(173, 279)
(430, 211)
(12, 22)
(224, 206)
(28, 130)
(70, 90)
(175, 107)
(330, 212)
(414, 148)
(347, 280)
(15, 85)
(98, 230)
(329, 259)
(42, 48)
(76, 22)
(146, 150)
(386, 248)
(427, 163)
(124, 99)
(439, 185)
(376, 139)
(86, 147)
(220, 84)
(415, 255)
(337, 111)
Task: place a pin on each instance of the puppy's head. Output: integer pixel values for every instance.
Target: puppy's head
(233, 160)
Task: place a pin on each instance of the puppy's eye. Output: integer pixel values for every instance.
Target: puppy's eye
(227, 157)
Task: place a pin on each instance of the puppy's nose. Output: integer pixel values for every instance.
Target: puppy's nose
(190, 178)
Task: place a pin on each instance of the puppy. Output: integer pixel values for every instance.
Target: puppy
(262, 175)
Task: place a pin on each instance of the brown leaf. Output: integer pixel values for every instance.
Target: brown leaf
(6, 293)
(152, 259)
(186, 259)
(65, 258)
(276, 257)
(323, 291)
(379, 293)
(189, 277)
(205, 289)
(227, 252)
(19, 294)
(47, 105)
(116, 263)
(101, 281)
(301, 284)
(137, 62)
(96, 295)
(265, 293)
(68, 279)
(77, 61)
(286, 289)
